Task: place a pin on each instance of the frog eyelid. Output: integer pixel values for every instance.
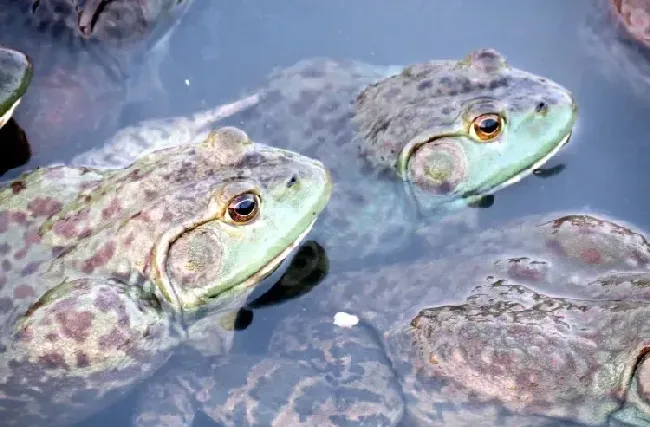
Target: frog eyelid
(482, 106)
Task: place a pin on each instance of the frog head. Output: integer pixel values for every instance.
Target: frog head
(233, 227)
(455, 129)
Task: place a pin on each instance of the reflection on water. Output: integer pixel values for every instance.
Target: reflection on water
(222, 49)
(308, 268)
(15, 148)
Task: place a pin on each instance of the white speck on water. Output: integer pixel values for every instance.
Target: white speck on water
(187, 82)
(345, 320)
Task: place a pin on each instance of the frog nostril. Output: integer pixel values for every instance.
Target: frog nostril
(541, 107)
(292, 181)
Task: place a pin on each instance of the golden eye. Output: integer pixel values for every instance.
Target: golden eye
(244, 208)
(487, 126)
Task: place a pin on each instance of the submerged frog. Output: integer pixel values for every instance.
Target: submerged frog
(617, 32)
(634, 15)
(104, 273)
(403, 143)
(549, 323)
(88, 57)
(15, 77)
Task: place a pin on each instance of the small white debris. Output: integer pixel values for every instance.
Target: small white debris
(187, 82)
(345, 320)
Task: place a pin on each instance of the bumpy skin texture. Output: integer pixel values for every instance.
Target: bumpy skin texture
(417, 117)
(84, 52)
(548, 325)
(15, 77)
(103, 273)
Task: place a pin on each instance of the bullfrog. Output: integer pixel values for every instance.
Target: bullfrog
(541, 322)
(634, 15)
(88, 57)
(617, 33)
(404, 144)
(15, 77)
(105, 273)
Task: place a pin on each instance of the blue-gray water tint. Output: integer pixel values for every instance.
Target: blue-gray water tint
(222, 48)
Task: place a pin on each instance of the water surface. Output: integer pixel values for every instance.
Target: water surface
(224, 48)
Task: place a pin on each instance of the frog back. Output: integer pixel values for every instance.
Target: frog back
(308, 107)
(26, 251)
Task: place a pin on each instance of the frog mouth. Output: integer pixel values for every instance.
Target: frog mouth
(526, 171)
(274, 263)
(515, 177)
(407, 153)
(233, 296)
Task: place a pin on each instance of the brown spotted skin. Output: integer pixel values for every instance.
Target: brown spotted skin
(66, 330)
(535, 354)
(309, 106)
(332, 110)
(539, 323)
(356, 118)
(444, 93)
(348, 224)
(83, 53)
(82, 314)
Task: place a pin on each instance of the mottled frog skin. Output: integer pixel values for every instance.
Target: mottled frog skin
(88, 57)
(547, 326)
(104, 273)
(15, 77)
(403, 143)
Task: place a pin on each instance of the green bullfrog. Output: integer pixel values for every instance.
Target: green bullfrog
(543, 322)
(403, 143)
(88, 58)
(104, 273)
(15, 77)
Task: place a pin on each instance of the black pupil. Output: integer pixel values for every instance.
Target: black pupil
(246, 206)
(489, 125)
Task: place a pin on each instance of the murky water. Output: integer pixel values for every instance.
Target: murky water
(222, 49)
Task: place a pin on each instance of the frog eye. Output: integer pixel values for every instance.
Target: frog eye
(486, 127)
(244, 208)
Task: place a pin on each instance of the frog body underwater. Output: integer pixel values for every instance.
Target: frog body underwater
(104, 271)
